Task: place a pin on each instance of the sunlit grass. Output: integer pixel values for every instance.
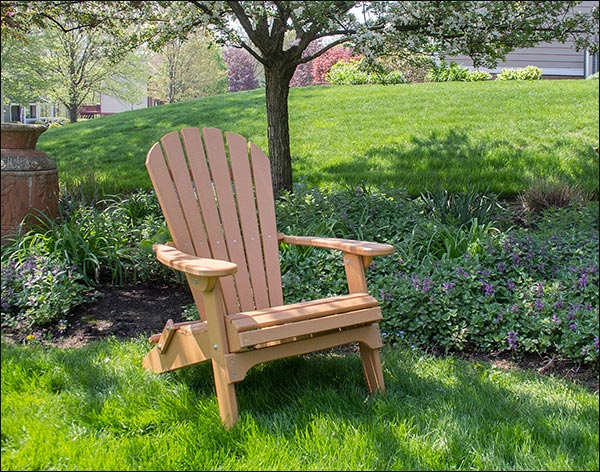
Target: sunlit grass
(95, 408)
(496, 135)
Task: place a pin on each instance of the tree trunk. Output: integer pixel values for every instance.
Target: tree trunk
(73, 111)
(277, 79)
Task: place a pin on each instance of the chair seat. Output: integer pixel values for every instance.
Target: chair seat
(267, 325)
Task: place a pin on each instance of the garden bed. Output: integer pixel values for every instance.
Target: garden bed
(142, 309)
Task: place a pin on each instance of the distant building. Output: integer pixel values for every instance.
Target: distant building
(42, 111)
(555, 59)
(31, 113)
(110, 105)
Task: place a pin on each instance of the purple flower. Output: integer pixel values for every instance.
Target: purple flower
(555, 319)
(573, 326)
(501, 267)
(488, 289)
(515, 258)
(539, 289)
(572, 310)
(386, 296)
(583, 280)
(415, 281)
(559, 304)
(510, 285)
(447, 286)
(426, 284)
(512, 340)
(462, 272)
(585, 351)
(539, 305)
(596, 346)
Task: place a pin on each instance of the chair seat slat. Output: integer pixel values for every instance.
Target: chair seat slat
(299, 311)
(309, 326)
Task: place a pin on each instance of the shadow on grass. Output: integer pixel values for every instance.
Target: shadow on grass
(470, 409)
(435, 413)
(456, 162)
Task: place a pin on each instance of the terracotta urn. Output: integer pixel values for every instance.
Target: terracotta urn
(29, 178)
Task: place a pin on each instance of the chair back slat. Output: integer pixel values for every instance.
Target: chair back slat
(221, 176)
(161, 178)
(244, 192)
(261, 171)
(206, 203)
(217, 199)
(184, 187)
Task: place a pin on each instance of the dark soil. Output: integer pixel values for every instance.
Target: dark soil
(124, 312)
(142, 309)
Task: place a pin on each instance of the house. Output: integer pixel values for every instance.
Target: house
(44, 111)
(556, 60)
(110, 105)
(34, 111)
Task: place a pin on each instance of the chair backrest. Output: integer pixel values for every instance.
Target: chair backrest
(217, 199)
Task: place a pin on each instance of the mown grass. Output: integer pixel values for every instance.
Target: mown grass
(496, 135)
(95, 408)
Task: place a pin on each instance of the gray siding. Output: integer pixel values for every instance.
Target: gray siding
(553, 58)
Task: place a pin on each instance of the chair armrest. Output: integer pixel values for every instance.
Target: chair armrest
(360, 248)
(202, 267)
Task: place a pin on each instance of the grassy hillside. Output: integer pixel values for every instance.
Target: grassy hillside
(496, 135)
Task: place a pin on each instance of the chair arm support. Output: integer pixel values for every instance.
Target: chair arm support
(202, 267)
(360, 248)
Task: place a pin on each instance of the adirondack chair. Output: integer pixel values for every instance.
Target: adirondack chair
(217, 199)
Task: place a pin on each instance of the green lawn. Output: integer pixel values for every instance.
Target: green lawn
(95, 408)
(500, 135)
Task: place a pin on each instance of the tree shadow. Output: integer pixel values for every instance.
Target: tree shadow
(462, 414)
(455, 161)
(326, 387)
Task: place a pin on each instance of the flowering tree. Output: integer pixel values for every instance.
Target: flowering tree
(304, 74)
(242, 69)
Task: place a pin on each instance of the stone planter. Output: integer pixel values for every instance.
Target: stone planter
(29, 177)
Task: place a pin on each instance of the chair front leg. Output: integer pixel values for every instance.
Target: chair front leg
(209, 294)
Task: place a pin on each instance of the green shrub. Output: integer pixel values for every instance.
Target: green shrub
(39, 291)
(526, 73)
(455, 73)
(478, 76)
(453, 286)
(104, 242)
(460, 277)
(357, 72)
(413, 66)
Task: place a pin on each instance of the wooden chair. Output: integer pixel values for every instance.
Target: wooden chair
(217, 199)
